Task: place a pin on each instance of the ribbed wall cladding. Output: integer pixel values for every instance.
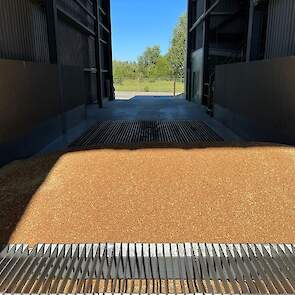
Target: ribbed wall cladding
(23, 31)
(280, 39)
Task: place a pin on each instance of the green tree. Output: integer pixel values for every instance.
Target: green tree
(147, 62)
(176, 54)
(124, 70)
(161, 70)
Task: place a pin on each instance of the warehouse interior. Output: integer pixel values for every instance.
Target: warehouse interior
(240, 65)
(88, 183)
(65, 48)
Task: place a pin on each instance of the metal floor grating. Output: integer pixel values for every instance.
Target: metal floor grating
(145, 133)
(148, 269)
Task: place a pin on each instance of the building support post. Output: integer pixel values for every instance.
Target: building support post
(110, 51)
(206, 44)
(52, 23)
(250, 31)
(188, 52)
(97, 54)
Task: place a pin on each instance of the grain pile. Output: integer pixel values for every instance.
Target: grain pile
(152, 195)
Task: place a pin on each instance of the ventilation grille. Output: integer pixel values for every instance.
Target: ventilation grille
(145, 133)
(148, 269)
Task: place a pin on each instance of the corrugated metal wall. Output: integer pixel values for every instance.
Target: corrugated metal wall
(280, 40)
(83, 53)
(23, 31)
(23, 35)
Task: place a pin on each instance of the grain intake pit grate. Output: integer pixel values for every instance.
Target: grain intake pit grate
(145, 133)
(148, 269)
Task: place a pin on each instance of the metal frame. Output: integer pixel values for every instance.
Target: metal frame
(204, 15)
(97, 55)
(51, 18)
(54, 11)
(128, 268)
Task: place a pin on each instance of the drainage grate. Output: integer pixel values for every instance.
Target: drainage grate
(148, 269)
(145, 133)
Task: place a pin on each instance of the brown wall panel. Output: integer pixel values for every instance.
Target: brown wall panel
(28, 96)
(74, 94)
(32, 114)
(257, 99)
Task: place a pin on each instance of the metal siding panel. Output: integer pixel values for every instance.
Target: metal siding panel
(24, 105)
(264, 108)
(281, 29)
(23, 31)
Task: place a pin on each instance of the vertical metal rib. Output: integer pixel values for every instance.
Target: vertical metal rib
(82, 280)
(88, 288)
(54, 269)
(23, 279)
(269, 272)
(41, 279)
(220, 271)
(21, 270)
(250, 266)
(212, 271)
(117, 269)
(238, 273)
(69, 270)
(148, 268)
(197, 273)
(279, 274)
(34, 275)
(6, 273)
(100, 270)
(109, 269)
(244, 271)
(228, 269)
(59, 276)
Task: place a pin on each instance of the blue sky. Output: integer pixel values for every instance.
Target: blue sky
(137, 24)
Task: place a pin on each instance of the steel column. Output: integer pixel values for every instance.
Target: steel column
(112, 95)
(97, 54)
(250, 30)
(51, 18)
(52, 23)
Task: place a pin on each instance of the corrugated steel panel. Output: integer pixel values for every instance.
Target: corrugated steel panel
(77, 55)
(23, 31)
(280, 40)
(75, 10)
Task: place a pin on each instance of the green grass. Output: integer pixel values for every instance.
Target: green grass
(149, 86)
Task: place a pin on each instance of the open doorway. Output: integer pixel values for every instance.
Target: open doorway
(149, 47)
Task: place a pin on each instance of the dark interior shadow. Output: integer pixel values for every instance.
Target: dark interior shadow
(19, 181)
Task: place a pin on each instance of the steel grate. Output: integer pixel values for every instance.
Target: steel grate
(145, 133)
(148, 269)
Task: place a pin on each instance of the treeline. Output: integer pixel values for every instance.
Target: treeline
(152, 64)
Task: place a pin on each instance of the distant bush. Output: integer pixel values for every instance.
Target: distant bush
(119, 81)
(146, 89)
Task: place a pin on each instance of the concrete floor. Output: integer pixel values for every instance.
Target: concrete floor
(159, 108)
(143, 108)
